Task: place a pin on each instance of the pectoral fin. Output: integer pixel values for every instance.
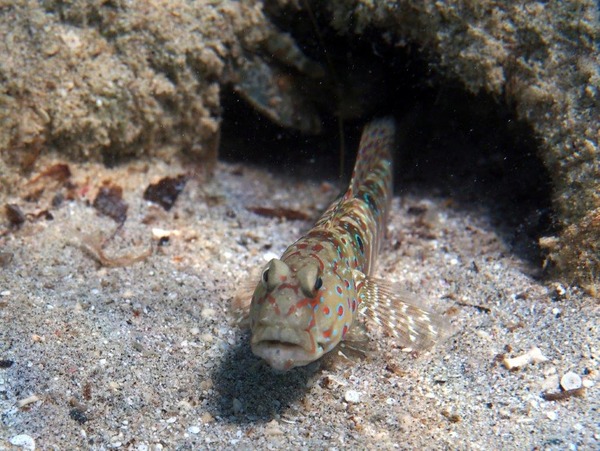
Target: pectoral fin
(398, 313)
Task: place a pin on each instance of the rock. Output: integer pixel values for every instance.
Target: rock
(23, 441)
(352, 396)
(570, 381)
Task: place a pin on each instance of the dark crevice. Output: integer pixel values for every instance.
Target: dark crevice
(468, 148)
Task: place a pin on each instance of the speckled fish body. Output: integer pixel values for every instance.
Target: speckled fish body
(307, 301)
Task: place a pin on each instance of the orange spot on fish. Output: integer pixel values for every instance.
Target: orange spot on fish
(317, 248)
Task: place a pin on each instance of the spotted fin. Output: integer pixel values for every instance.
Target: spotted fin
(398, 313)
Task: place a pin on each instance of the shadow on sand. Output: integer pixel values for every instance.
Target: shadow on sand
(259, 392)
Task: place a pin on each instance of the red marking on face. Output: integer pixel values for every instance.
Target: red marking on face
(303, 302)
(289, 286)
(302, 246)
(327, 333)
(271, 299)
(338, 289)
(326, 310)
(316, 257)
(283, 278)
(340, 311)
(347, 284)
(344, 331)
(294, 253)
(313, 343)
(317, 248)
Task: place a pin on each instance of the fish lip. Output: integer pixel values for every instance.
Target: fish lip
(285, 336)
(284, 348)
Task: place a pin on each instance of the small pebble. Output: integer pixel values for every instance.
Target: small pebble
(504, 414)
(208, 338)
(534, 355)
(570, 381)
(193, 429)
(552, 415)
(208, 313)
(272, 429)
(5, 259)
(206, 384)
(15, 215)
(550, 383)
(109, 202)
(24, 441)
(162, 233)
(165, 191)
(207, 418)
(352, 396)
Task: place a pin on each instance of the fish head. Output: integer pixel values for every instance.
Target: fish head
(290, 322)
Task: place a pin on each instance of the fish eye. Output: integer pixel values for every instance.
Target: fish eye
(265, 276)
(318, 284)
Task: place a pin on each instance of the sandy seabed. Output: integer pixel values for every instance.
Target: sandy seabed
(147, 357)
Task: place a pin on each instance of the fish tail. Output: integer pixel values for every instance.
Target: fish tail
(372, 175)
(371, 183)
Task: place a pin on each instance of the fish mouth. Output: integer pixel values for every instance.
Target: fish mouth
(284, 348)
